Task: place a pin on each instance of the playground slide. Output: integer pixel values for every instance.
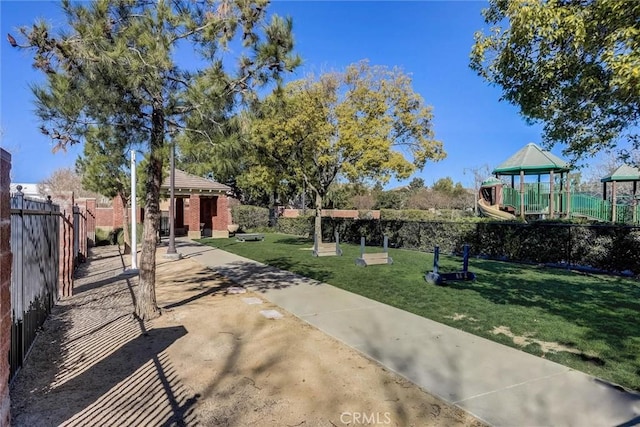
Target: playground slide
(493, 211)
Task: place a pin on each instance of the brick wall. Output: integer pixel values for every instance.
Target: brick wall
(112, 217)
(194, 217)
(104, 217)
(185, 220)
(223, 217)
(5, 284)
(118, 213)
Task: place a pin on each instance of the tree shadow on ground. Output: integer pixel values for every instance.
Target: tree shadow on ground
(113, 386)
(262, 278)
(78, 289)
(312, 272)
(318, 391)
(607, 308)
(376, 345)
(95, 363)
(198, 281)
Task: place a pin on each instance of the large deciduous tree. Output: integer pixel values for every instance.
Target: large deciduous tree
(116, 63)
(574, 66)
(363, 123)
(265, 179)
(64, 179)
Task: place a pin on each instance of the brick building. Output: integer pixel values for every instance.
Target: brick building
(202, 207)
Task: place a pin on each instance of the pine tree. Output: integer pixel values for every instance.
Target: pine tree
(105, 167)
(116, 64)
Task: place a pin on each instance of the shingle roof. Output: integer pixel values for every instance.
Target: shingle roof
(623, 173)
(185, 183)
(532, 160)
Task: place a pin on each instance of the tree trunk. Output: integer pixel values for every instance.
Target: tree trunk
(146, 305)
(318, 222)
(273, 215)
(126, 226)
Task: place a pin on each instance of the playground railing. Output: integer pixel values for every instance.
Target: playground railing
(591, 207)
(511, 197)
(536, 198)
(562, 202)
(536, 201)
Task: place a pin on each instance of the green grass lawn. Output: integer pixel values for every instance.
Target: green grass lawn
(591, 322)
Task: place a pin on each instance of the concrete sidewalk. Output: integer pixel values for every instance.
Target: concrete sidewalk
(498, 384)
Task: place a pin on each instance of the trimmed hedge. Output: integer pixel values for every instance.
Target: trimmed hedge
(450, 236)
(250, 217)
(427, 215)
(614, 248)
(299, 226)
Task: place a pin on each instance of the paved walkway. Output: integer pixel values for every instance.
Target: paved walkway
(498, 384)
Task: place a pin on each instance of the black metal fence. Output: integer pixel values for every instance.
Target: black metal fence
(35, 245)
(605, 247)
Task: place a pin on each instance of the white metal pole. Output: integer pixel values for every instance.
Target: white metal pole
(134, 243)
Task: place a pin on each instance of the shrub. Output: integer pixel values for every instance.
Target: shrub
(117, 235)
(609, 247)
(250, 217)
(365, 214)
(299, 226)
(627, 251)
(409, 215)
(598, 252)
(427, 215)
(103, 236)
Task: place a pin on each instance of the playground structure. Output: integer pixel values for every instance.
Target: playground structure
(327, 249)
(375, 258)
(552, 197)
(491, 200)
(436, 278)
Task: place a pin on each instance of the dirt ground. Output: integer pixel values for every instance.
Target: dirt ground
(211, 359)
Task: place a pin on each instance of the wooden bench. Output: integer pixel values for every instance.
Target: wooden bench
(246, 237)
(376, 258)
(327, 249)
(373, 259)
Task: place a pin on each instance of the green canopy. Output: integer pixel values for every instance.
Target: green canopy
(623, 173)
(491, 182)
(533, 160)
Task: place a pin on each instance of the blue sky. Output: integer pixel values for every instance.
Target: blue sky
(430, 40)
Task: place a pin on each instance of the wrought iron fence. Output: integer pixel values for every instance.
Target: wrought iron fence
(34, 279)
(597, 247)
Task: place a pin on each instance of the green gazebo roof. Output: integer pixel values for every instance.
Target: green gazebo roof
(623, 173)
(532, 160)
(491, 182)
